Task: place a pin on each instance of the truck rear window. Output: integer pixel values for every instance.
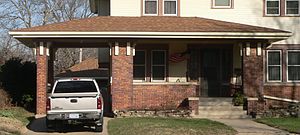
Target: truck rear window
(75, 87)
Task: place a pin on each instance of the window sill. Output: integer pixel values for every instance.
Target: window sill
(165, 83)
(282, 84)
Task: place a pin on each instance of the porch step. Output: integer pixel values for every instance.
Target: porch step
(215, 101)
(220, 108)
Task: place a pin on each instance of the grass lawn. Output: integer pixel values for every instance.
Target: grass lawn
(166, 126)
(13, 120)
(288, 124)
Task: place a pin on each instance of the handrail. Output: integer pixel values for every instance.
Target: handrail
(281, 99)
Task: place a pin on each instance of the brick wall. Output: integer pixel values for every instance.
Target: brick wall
(289, 92)
(42, 70)
(122, 76)
(165, 96)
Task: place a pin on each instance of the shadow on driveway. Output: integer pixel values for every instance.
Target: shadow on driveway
(38, 126)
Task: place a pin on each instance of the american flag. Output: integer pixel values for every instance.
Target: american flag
(176, 57)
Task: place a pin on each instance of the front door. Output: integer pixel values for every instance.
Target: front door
(215, 72)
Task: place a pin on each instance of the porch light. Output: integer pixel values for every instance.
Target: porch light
(116, 48)
(41, 48)
(248, 49)
(241, 48)
(258, 49)
(128, 49)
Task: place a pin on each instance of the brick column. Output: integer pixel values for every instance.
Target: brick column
(41, 80)
(122, 76)
(253, 74)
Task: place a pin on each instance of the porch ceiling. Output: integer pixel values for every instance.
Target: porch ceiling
(148, 28)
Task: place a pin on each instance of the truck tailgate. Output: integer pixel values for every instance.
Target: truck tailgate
(73, 103)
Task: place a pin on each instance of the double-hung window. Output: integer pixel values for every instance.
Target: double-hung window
(292, 7)
(150, 7)
(274, 66)
(139, 66)
(293, 65)
(222, 3)
(272, 7)
(170, 7)
(158, 67)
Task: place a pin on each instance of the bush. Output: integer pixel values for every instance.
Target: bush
(238, 99)
(5, 100)
(19, 80)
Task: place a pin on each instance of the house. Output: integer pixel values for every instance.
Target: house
(162, 52)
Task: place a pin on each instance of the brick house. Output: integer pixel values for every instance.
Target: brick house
(161, 53)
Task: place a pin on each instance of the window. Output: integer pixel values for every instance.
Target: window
(293, 65)
(292, 7)
(274, 66)
(272, 7)
(150, 7)
(222, 4)
(139, 66)
(75, 86)
(170, 7)
(158, 58)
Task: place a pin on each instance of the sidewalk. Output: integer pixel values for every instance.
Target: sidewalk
(249, 127)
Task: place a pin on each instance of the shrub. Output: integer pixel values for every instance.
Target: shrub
(238, 99)
(19, 81)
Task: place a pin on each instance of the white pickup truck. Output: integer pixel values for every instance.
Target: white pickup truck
(75, 101)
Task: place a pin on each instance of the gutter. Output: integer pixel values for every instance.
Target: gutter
(209, 35)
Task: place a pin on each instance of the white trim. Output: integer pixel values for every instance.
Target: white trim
(248, 49)
(34, 51)
(145, 66)
(165, 66)
(258, 50)
(133, 49)
(287, 65)
(163, 7)
(47, 49)
(116, 48)
(214, 4)
(286, 8)
(281, 99)
(266, 8)
(274, 65)
(128, 49)
(144, 7)
(110, 49)
(219, 35)
(41, 48)
(252, 99)
(241, 49)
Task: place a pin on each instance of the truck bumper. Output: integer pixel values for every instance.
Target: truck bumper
(84, 117)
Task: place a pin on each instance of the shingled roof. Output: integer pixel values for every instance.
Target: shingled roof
(147, 24)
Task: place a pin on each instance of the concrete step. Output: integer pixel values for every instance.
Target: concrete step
(218, 103)
(221, 108)
(223, 112)
(218, 99)
(222, 116)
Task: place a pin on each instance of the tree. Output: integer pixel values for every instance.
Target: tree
(16, 14)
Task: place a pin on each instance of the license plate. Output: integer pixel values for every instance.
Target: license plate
(74, 116)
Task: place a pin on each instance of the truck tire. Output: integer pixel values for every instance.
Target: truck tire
(98, 128)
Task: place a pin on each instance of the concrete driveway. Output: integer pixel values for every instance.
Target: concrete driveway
(38, 127)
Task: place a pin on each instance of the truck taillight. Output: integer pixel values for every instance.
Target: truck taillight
(48, 105)
(99, 103)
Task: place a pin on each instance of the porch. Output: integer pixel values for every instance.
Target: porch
(159, 65)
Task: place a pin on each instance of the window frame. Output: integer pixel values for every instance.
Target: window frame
(165, 67)
(285, 8)
(144, 8)
(280, 52)
(145, 66)
(163, 8)
(266, 8)
(222, 7)
(287, 65)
